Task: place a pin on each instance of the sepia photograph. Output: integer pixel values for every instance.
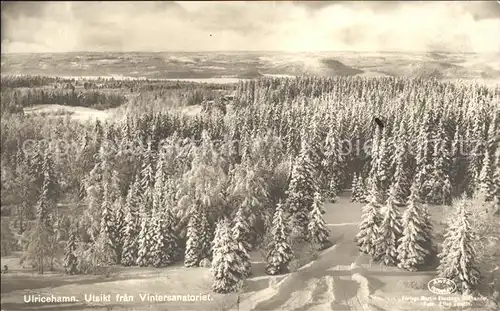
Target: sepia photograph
(250, 155)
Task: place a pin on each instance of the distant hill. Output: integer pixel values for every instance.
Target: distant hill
(252, 74)
(255, 65)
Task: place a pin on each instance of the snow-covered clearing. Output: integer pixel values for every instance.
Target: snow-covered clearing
(78, 113)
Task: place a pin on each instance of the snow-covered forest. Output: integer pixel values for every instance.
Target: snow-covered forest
(157, 187)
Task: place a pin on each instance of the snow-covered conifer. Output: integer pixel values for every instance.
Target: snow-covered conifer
(132, 226)
(165, 242)
(241, 229)
(361, 190)
(70, 259)
(382, 174)
(227, 267)
(145, 238)
(354, 188)
(423, 159)
(279, 253)
(496, 181)
(318, 232)
(370, 222)
(485, 180)
(402, 172)
(240, 232)
(301, 191)
(147, 174)
(389, 231)
(206, 236)
(416, 242)
(458, 257)
(192, 256)
(439, 184)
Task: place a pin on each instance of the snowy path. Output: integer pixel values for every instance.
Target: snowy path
(326, 284)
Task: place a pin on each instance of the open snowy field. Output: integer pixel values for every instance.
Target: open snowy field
(82, 114)
(339, 279)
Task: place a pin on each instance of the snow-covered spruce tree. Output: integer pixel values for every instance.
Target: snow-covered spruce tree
(318, 232)
(361, 193)
(132, 226)
(159, 183)
(332, 164)
(145, 239)
(249, 187)
(382, 174)
(374, 155)
(241, 228)
(423, 159)
(402, 172)
(228, 269)
(415, 245)
(458, 257)
(119, 224)
(455, 169)
(206, 236)
(354, 189)
(477, 153)
(70, 259)
(496, 181)
(147, 175)
(389, 231)
(108, 220)
(240, 232)
(485, 179)
(51, 184)
(194, 247)
(370, 222)
(333, 188)
(301, 191)
(40, 244)
(279, 253)
(439, 182)
(165, 242)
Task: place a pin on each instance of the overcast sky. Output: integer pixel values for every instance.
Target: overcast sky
(226, 26)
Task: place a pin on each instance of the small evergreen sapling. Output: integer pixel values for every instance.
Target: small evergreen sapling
(354, 189)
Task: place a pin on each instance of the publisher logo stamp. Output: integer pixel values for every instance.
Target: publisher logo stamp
(441, 286)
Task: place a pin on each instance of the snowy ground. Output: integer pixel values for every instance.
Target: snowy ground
(85, 114)
(340, 279)
(78, 113)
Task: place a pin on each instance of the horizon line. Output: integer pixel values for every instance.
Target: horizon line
(259, 51)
